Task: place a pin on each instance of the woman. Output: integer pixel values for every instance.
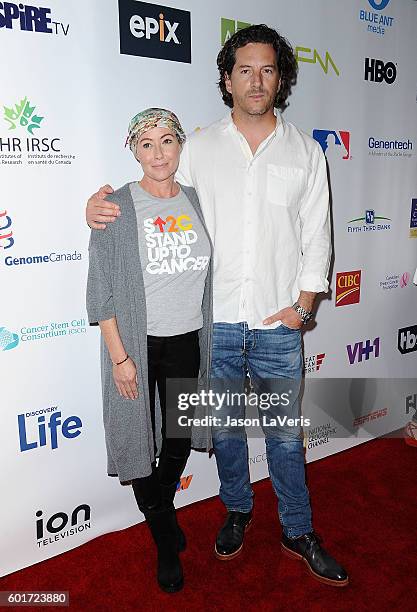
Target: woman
(150, 290)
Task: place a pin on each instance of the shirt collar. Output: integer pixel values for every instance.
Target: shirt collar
(227, 123)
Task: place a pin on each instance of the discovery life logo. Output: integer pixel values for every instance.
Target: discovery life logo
(152, 30)
(20, 145)
(312, 56)
(46, 428)
(27, 18)
(370, 223)
(6, 233)
(337, 139)
(379, 147)
(39, 332)
(374, 17)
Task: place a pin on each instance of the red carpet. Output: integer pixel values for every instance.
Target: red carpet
(364, 504)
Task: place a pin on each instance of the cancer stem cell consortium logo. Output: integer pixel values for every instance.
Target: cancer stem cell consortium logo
(348, 288)
(340, 139)
(151, 30)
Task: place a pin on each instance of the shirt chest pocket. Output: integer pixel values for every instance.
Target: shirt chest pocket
(284, 185)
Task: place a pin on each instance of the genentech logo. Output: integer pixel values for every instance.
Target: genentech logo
(6, 234)
(228, 27)
(312, 56)
(361, 351)
(407, 339)
(151, 30)
(377, 71)
(30, 19)
(339, 139)
(348, 288)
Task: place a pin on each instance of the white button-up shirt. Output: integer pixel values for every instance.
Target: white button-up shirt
(267, 214)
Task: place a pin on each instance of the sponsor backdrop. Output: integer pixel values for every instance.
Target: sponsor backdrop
(81, 71)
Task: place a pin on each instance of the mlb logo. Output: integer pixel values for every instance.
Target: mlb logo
(369, 216)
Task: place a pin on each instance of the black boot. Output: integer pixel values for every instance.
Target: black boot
(162, 524)
(168, 494)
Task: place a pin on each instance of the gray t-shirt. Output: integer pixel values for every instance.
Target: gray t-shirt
(175, 253)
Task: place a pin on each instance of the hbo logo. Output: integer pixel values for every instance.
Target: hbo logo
(376, 70)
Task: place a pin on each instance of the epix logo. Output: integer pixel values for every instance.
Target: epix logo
(377, 71)
(228, 27)
(22, 114)
(340, 139)
(413, 218)
(407, 339)
(348, 288)
(46, 433)
(30, 19)
(362, 350)
(312, 56)
(6, 234)
(150, 30)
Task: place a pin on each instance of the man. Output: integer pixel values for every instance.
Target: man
(262, 185)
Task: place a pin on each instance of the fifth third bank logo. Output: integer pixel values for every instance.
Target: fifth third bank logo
(151, 30)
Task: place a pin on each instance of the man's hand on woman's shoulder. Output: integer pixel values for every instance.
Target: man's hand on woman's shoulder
(98, 211)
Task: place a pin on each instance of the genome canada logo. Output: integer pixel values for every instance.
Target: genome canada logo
(370, 222)
(413, 218)
(348, 288)
(46, 428)
(395, 281)
(228, 27)
(6, 233)
(23, 146)
(376, 21)
(40, 332)
(313, 363)
(390, 148)
(52, 257)
(28, 18)
(378, 71)
(61, 525)
(152, 30)
(312, 56)
(335, 139)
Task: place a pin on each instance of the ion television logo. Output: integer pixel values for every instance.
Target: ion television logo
(339, 139)
(29, 18)
(348, 288)
(60, 525)
(151, 30)
(46, 427)
(407, 339)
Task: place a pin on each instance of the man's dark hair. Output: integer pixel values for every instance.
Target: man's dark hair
(286, 62)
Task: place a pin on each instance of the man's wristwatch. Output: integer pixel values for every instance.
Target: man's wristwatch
(305, 315)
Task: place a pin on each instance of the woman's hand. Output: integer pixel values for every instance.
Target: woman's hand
(126, 379)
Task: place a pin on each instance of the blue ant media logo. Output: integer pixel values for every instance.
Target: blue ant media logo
(339, 139)
(377, 22)
(47, 430)
(30, 19)
(8, 340)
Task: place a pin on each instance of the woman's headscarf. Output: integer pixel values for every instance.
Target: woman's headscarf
(152, 118)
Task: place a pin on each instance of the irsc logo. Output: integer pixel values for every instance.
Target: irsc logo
(340, 139)
(348, 288)
(150, 30)
(313, 56)
(230, 27)
(22, 114)
(30, 19)
(376, 70)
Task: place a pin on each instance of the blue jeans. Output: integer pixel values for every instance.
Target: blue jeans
(273, 360)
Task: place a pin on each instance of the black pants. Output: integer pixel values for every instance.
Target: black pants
(168, 357)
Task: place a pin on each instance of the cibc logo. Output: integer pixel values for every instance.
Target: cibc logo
(348, 287)
(55, 527)
(361, 351)
(151, 30)
(377, 71)
(30, 19)
(407, 339)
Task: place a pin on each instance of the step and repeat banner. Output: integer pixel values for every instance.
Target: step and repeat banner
(74, 73)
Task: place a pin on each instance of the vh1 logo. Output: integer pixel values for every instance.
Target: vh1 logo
(348, 287)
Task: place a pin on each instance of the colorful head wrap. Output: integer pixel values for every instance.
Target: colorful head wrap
(152, 118)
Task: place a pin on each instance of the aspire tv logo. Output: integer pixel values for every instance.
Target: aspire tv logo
(339, 139)
(312, 56)
(377, 21)
(30, 19)
(151, 30)
(348, 288)
(228, 27)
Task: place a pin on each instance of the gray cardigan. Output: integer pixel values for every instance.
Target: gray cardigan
(115, 288)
